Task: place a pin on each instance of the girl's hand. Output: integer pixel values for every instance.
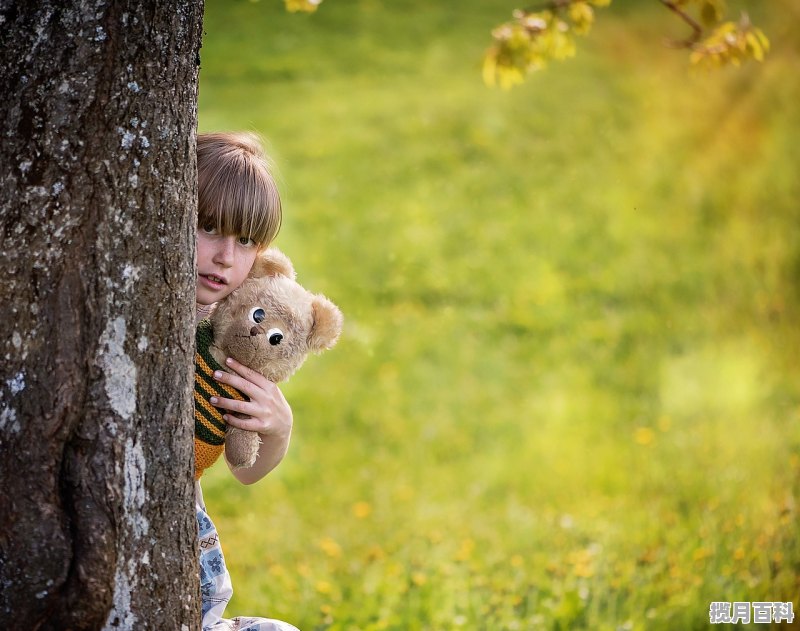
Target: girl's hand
(267, 413)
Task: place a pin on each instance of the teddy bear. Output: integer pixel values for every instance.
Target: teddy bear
(271, 324)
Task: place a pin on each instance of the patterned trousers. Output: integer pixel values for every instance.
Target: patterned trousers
(215, 582)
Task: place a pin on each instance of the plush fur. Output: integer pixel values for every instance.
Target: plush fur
(308, 323)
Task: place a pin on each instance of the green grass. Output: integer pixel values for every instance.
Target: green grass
(567, 394)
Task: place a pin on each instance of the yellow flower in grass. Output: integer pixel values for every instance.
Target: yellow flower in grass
(330, 547)
(404, 493)
(701, 554)
(582, 562)
(323, 587)
(465, 550)
(480, 580)
(419, 578)
(375, 553)
(362, 510)
(650, 555)
(644, 436)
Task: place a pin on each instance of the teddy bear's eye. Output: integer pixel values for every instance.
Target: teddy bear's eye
(257, 315)
(275, 336)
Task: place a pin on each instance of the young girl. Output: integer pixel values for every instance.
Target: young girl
(239, 214)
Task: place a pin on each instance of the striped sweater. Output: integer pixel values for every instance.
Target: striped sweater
(209, 426)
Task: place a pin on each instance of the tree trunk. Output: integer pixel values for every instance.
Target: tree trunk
(97, 237)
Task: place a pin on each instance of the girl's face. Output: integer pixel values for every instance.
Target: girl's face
(223, 262)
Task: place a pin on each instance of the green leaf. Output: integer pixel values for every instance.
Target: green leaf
(570, 607)
(711, 12)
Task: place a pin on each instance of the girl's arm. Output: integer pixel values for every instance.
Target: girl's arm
(269, 415)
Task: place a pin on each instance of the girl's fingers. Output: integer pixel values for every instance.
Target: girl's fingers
(248, 373)
(253, 388)
(249, 424)
(267, 410)
(235, 381)
(234, 405)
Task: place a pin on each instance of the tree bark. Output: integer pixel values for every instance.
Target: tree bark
(97, 237)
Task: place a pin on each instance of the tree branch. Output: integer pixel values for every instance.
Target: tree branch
(697, 30)
(553, 5)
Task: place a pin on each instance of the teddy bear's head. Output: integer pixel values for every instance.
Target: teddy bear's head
(270, 323)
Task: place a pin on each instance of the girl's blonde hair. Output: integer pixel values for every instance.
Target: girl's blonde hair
(235, 188)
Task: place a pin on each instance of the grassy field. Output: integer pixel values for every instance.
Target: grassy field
(568, 391)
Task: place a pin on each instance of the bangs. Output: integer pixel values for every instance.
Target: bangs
(238, 196)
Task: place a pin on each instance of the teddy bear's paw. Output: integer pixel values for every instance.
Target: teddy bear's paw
(241, 447)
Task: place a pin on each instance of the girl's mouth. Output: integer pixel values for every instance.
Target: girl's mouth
(213, 281)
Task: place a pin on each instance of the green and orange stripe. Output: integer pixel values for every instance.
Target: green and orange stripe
(209, 426)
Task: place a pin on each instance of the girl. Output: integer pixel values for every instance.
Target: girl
(239, 214)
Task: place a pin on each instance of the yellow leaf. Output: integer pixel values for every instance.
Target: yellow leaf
(762, 39)
(582, 15)
(755, 46)
(509, 77)
(306, 6)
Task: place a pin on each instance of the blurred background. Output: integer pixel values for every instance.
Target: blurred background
(567, 392)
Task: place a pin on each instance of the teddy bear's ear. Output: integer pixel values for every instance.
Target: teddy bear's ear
(327, 324)
(272, 262)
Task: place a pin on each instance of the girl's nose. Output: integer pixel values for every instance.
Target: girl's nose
(223, 255)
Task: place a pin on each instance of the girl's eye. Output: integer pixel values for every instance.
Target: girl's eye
(209, 229)
(275, 336)
(257, 315)
(246, 241)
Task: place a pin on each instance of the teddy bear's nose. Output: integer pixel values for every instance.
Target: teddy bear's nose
(255, 331)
